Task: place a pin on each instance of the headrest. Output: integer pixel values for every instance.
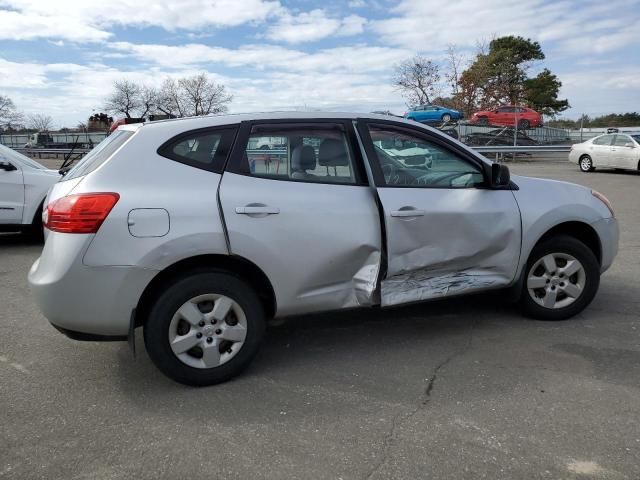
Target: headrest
(303, 158)
(333, 153)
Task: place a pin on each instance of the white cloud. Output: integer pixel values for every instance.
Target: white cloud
(89, 20)
(27, 26)
(352, 25)
(358, 58)
(314, 25)
(429, 25)
(603, 90)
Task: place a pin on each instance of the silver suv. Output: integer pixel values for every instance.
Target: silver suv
(178, 227)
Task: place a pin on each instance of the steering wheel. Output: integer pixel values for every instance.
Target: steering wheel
(445, 179)
(395, 176)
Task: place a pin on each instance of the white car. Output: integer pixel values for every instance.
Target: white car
(23, 186)
(609, 151)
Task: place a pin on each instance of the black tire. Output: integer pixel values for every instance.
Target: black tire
(35, 231)
(446, 117)
(483, 121)
(156, 328)
(524, 124)
(585, 164)
(577, 249)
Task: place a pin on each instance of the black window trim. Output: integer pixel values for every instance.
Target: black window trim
(441, 140)
(228, 134)
(236, 164)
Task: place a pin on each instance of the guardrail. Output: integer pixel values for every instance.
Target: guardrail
(53, 152)
(521, 148)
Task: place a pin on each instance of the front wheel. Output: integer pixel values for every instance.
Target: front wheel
(204, 328)
(446, 118)
(524, 124)
(586, 164)
(562, 277)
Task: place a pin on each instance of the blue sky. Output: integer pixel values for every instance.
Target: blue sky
(60, 57)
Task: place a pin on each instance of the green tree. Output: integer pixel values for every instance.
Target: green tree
(499, 75)
(541, 93)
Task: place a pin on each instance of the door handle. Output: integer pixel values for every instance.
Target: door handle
(257, 210)
(408, 212)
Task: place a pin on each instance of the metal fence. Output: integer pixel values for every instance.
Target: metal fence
(20, 140)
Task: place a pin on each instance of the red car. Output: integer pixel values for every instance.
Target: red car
(508, 116)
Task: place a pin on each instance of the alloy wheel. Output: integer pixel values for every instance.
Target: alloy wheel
(207, 331)
(556, 280)
(585, 164)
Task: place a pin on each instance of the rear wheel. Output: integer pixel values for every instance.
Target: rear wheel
(35, 231)
(562, 277)
(204, 328)
(586, 164)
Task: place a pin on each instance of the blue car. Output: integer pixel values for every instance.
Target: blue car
(432, 113)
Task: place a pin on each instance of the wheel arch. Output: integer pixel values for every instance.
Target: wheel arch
(581, 231)
(236, 265)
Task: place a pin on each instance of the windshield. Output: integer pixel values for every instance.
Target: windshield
(8, 154)
(99, 154)
(636, 137)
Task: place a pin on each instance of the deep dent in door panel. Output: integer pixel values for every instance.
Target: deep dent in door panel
(357, 291)
(448, 265)
(425, 284)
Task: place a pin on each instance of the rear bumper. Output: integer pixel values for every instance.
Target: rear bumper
(85, 302)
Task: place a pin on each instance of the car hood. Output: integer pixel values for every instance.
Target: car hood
(543, 184)
(546, 196)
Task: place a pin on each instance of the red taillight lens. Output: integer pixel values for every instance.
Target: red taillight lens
(79, 213)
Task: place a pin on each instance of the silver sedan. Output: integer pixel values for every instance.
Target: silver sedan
(609, 151)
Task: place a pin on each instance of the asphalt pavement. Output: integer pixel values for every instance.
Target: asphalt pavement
(457, 389)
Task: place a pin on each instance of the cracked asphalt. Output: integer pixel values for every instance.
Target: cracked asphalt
(458, 389)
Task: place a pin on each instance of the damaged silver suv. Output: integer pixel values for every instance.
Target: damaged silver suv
(180, 227)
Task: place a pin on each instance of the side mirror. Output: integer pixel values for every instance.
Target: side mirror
(629, 145)
(500, 176)
(7, 167)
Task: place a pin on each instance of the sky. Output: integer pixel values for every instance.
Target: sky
(61, 57)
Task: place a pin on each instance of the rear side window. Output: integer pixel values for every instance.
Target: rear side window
(308, 153)
(99, 154)
(206, 149)
(604, 140)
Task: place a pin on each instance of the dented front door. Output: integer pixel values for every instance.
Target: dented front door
(446, 233)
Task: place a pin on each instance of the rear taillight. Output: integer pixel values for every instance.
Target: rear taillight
(79, 213)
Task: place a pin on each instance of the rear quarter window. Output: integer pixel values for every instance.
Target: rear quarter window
(99, 154)
(205, 148)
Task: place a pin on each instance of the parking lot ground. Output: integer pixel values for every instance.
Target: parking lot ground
(455, 389)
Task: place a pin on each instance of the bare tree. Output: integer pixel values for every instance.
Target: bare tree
(192, 96)
(126, 98)
(39, 122)
(202, 96)
(8, 113)
(453, 71)
(148, 100)
(168, 101)
(418, 80)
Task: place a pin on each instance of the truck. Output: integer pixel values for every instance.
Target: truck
(44, 139)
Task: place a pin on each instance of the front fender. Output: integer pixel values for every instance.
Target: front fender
(545, 204)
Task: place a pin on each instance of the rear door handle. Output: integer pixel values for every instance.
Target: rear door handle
(257, 210)
(408, 212)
